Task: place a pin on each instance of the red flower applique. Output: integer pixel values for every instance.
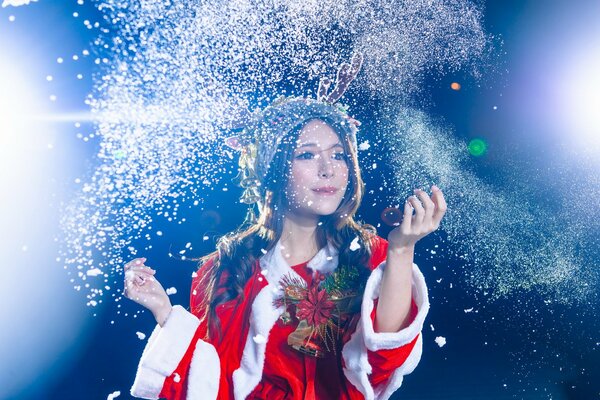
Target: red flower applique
(316, 308)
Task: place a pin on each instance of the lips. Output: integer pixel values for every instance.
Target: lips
(325, 190)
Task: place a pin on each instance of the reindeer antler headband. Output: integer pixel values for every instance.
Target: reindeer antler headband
(262, 135)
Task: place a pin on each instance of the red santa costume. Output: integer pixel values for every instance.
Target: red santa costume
(252, 359)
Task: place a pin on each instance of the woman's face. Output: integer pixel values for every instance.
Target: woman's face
(319, 171)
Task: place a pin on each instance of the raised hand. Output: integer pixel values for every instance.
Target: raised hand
(428, 213)
(141, 286)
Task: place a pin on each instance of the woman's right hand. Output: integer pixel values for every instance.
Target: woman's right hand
(142, 287)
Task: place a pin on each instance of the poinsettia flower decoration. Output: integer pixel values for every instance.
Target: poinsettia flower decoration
(315, 308)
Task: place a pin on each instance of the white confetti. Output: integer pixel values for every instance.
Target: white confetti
(468, 310)
(177, 378)
(16, 3)
(194, 274)
(440, 340)
(259, 339)
(171, 291)
(141, 335)
(113, 395)
(145, 164)
(354, 245)
(364, 145)
(432, 328)
(94, 272)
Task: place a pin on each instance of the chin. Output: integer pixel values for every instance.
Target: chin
(325, 210)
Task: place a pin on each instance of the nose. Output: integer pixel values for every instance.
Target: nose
(325, 167)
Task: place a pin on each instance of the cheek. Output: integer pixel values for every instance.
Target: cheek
(298, 181)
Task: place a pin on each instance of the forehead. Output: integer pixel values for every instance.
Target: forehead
(318, 133)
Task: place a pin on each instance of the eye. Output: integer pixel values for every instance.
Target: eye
(340, 156)
(307, 155)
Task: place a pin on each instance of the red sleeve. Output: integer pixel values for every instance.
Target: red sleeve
(175, 386)
(233, 315)
(384, 362)
(378, 251)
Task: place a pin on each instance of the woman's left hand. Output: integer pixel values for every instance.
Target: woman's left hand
(426, 219)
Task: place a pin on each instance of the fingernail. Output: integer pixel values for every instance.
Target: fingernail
(435, 188)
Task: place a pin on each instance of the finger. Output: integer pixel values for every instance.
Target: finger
(419, 210)
(129, 289)
(407, 217)
(440, 203)
(427, 203)
(135, 262)
(142, 268)
(137, 277)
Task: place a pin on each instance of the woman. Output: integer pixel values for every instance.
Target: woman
(304, 303)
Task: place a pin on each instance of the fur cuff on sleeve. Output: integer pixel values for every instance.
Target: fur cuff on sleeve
(391, 340)
(165, 349)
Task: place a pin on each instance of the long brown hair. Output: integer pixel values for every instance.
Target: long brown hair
(230, 266)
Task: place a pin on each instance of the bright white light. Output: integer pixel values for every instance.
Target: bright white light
(34, 336)
(18, 104)
(579, 96)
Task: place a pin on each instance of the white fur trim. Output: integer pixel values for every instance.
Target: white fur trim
(165, 349)
(325, 261)
(205, 373)
(264, 314)
(355, 351)
(391, 340)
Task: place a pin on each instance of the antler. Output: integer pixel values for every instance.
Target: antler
(346, 74)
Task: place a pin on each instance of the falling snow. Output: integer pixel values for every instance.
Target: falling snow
(259, 339)
(171, 291)
(441, 341)
(354, 245)
(173, 77)
(113, 395)
(481, 219)
(16, 3)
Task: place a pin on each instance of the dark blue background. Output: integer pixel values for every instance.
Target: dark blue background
(497, 352)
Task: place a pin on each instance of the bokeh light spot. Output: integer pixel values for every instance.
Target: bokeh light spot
(477, 147)
(391, 216)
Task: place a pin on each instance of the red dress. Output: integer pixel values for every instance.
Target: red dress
(371, 365)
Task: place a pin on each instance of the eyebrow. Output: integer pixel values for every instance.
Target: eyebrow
(338, 144)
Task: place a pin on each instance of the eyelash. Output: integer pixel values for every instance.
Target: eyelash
(302, 156)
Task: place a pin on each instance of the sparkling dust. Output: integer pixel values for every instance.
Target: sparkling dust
(172, 78)
(510, 241)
